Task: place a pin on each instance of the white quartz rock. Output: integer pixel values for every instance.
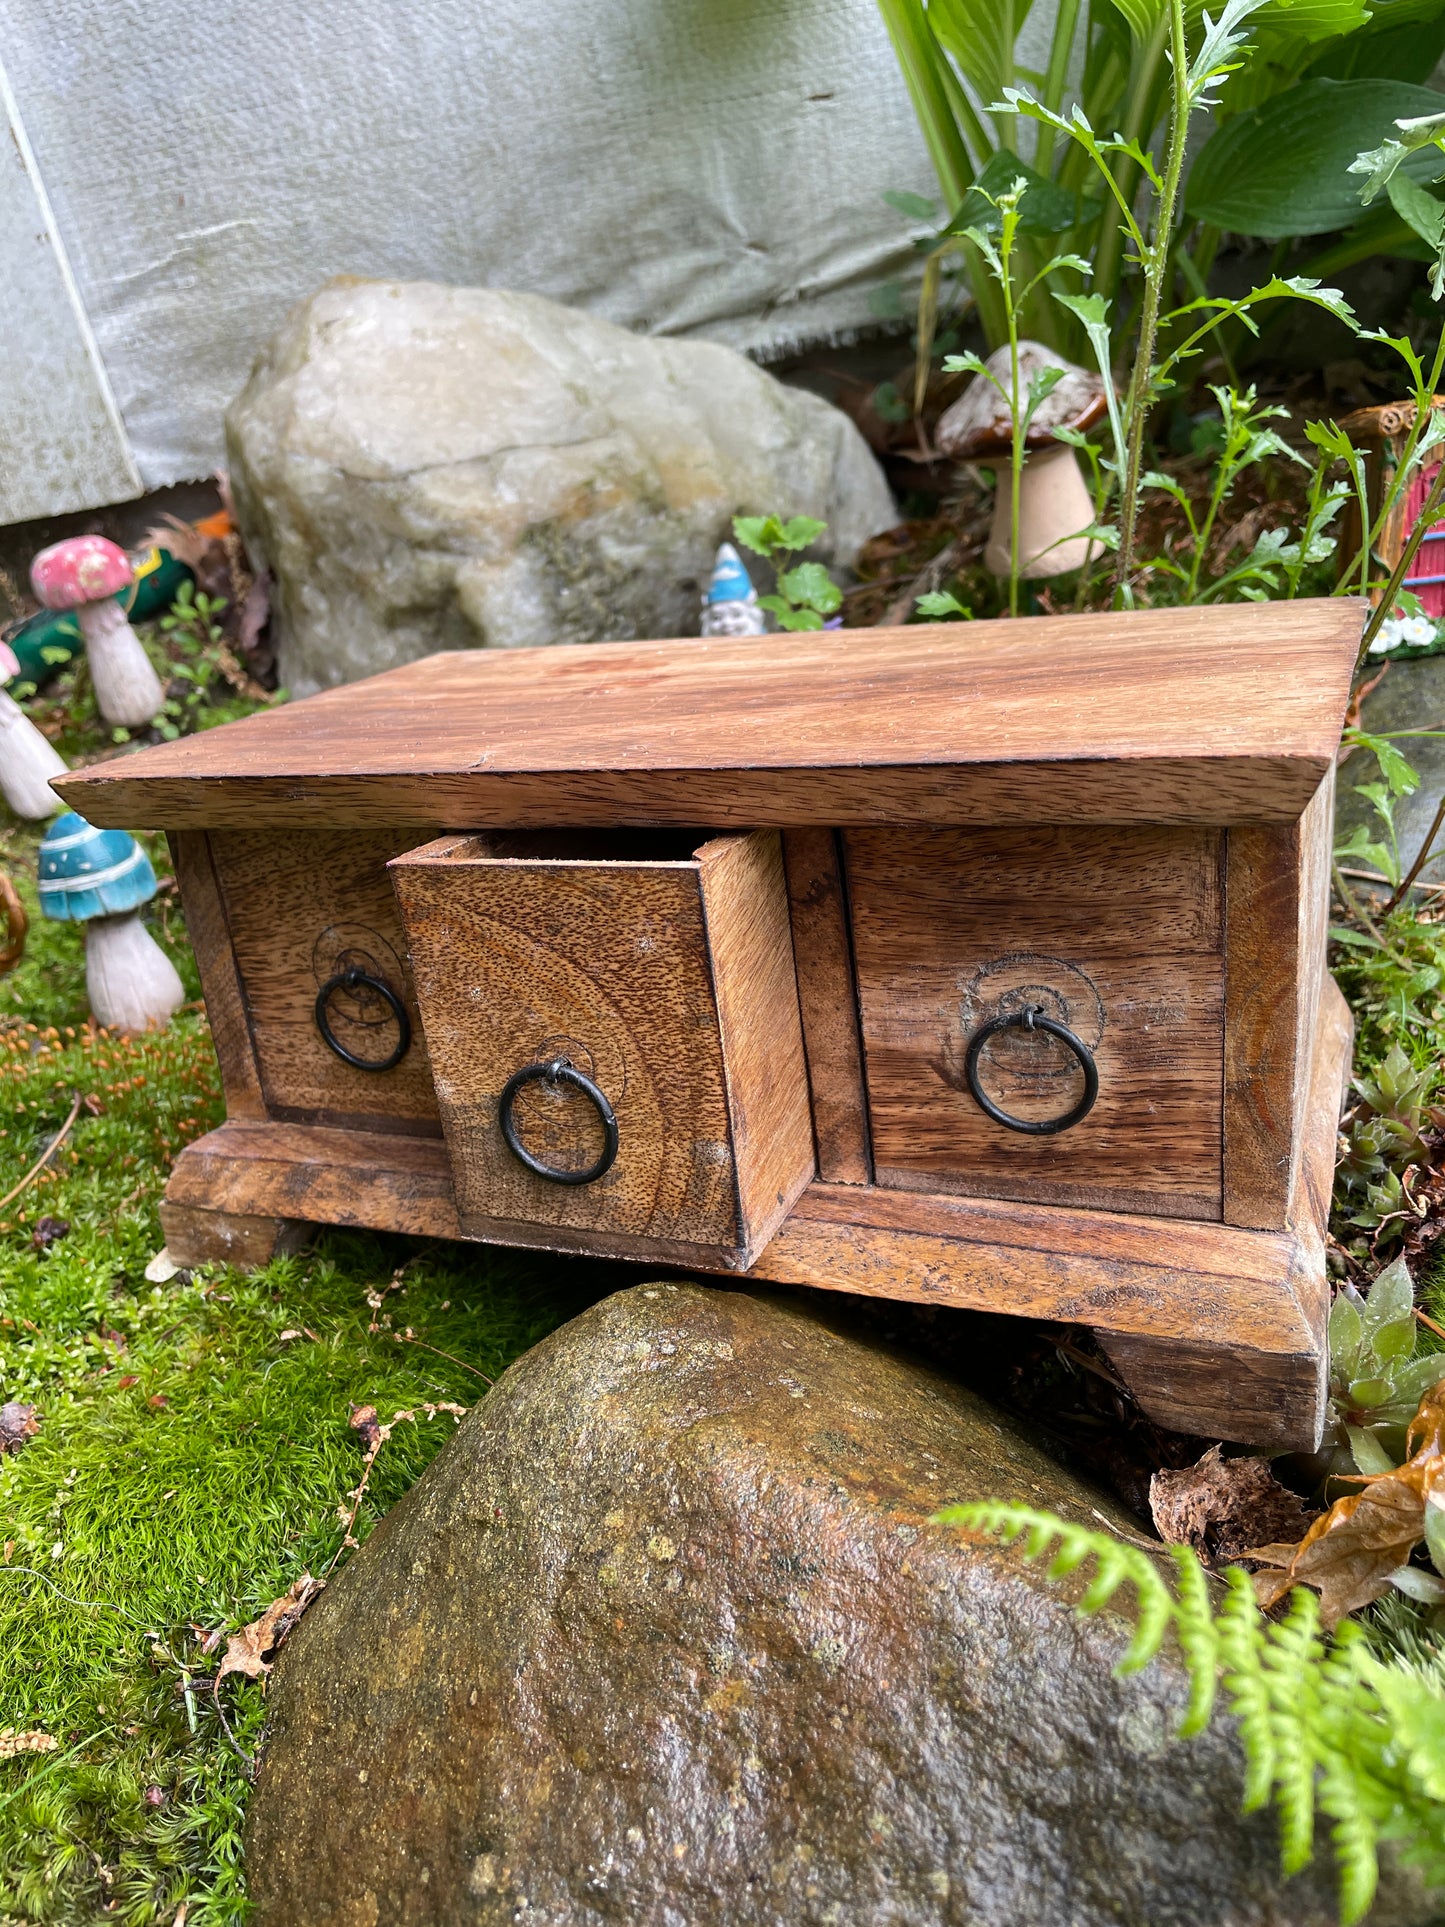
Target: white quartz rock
(424, 468)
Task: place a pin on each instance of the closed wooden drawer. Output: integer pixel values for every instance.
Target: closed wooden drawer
(659, 968)
(1117, 933)
(302, 907)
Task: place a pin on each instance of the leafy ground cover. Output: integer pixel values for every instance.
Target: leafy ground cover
(194, 1455)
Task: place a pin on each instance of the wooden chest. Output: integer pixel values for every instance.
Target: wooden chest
(976, 964)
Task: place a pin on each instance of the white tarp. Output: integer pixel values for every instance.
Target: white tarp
(681, 166)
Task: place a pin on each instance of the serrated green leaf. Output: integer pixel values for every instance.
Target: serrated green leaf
(1345, 1331)
(1044, 207)
(1369, 1455)
(940, 605)
(810, 586)
(1391, 1298)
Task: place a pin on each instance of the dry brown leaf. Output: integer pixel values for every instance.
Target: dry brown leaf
(246, 1650)
(1424, 1435)
(365, 1423)
(1222, 1506)
(1349, 1553)
(18, 1425)
(12, 1743)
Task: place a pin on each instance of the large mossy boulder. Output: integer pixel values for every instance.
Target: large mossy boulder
(425, 468)
(664, 1638)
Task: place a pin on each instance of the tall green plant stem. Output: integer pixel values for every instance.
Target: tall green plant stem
(1138, 125)
(1156, 270)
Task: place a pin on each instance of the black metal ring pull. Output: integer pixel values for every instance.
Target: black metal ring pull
(1032, 1019)
(558, 1071)
(351, 980)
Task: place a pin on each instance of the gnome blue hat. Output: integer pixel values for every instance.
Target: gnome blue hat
(730, 579)
(730, 606)
(86, 872)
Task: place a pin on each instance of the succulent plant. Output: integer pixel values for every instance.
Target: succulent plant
(1376, 1378)
(1382, 1136)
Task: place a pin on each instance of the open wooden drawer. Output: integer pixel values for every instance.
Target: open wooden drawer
(612, 1022)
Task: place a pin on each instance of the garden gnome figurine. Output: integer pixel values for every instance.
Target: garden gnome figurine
(27, 760)
(730, 606)
(101, 878)
(86, 573)
(1055, 506)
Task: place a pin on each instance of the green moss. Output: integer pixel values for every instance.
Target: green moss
(194, 1446)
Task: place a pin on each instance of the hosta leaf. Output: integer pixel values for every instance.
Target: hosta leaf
(1282, 168)
(980, 38)
(1044, 207)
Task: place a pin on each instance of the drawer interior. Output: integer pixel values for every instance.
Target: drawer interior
(1117, 933)
(658, 967)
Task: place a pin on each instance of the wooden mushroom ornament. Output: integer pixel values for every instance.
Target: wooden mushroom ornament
(730, 602)
(86, 573)
(1054, 501)
(27, 759)
(101, 878)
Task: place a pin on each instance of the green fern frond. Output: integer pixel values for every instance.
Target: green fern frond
(1292, 1654)
(1241, 1649)
(1324, 1726)
(1354, 1835)
(1198, 1640)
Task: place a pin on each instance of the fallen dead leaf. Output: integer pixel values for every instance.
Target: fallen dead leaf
(162, 1268)
(158, 1399)
(246, 1650)
(365, 1423)
(1222, 1506)
(124, 1383)
(18, 1425)
(13, 1743)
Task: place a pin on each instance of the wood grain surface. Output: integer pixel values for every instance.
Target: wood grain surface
(828, 996)
(1216, 715)
(1172, 1282)
(1278, 908)
(669, 983)
(1197, 1382)
(298, 906)
(210, 935)
(1115, 933)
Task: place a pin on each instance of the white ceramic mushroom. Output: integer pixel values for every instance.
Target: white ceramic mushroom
(86, 573)
(1054, 501)
(27, 759)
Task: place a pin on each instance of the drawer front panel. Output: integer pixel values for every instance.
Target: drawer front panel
(302, 905)
(669, 985)
(1114, 933)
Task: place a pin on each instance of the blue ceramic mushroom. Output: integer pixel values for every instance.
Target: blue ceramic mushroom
(101, 878)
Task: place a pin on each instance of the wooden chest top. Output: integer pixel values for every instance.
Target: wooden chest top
(1211, 716)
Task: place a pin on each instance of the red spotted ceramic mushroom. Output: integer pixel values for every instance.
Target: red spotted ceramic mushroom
(86, 573)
